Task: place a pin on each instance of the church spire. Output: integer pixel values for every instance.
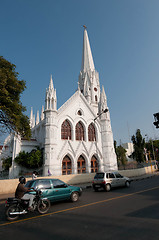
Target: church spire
(31, 118)
(89, 77)
(51, 86)
(42, 113)
(37, 118)
(103, 100)
(51, 98)
(87, 59)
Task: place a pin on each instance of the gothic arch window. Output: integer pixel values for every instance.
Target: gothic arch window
(96, 99)
(81, 165)
(66, 130)
(66, 166)
(94, 164)
(91, 132)
(79, 131)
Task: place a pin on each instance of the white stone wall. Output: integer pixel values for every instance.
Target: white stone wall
(72, 147)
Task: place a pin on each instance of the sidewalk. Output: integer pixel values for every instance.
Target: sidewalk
(3, 197)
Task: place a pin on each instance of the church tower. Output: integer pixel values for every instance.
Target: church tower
(90, 87)
(109, 155)
(50, 126)
(89, 77)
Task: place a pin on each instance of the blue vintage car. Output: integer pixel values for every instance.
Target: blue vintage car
(55, 189)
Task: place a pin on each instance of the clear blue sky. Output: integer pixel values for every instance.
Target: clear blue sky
(45, 37)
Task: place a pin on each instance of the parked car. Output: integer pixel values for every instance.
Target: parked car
(55, 189)
(107, 180)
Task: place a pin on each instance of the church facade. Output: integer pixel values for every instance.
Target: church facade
(77, 138)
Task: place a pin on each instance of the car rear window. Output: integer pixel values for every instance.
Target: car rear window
(99, 175)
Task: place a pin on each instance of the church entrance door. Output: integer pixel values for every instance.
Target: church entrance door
(94, 165)
(81, 165)
(66, 166)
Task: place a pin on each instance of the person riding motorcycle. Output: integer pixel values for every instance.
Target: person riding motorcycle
(22, 192)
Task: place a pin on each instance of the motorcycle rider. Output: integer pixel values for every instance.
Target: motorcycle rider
(22, 192)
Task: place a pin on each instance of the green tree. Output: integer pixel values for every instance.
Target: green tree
(7, 163)
(121, 154)
(139, 144)
(34, 159)
(12, 116)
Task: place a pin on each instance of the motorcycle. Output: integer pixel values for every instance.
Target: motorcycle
(16, 207)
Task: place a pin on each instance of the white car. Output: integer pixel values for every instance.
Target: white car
(107, 180)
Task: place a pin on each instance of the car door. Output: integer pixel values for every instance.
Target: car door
(61, 190)
(46, 188)
(112, 179)
(120, 179)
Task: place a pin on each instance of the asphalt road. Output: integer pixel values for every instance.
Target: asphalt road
(124, 213)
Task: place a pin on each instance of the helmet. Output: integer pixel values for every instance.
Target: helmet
(22, 180)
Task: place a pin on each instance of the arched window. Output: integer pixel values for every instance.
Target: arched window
(66, 130)
(91, 132)
(96, 98)
(79, 131)
(66, 166)
(94, 165)
(81, 165)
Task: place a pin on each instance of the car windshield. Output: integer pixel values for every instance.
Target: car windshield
(99, 175)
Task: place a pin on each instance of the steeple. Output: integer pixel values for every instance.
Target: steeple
(42, 113)
(103, 100)
(33, 124)
(31, 118)
(87, 59)
(37, 118)
(51, 99)
(51, 86)
(89, 78)
(50, 128)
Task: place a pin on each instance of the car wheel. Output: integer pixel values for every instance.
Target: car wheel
(74, 196)
(127, 184)
(107, 187)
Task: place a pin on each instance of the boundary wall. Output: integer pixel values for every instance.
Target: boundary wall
(9, 185)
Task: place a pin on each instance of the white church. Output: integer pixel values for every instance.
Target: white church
(77, 138)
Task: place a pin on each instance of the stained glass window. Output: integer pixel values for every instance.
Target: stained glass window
(66, 130)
